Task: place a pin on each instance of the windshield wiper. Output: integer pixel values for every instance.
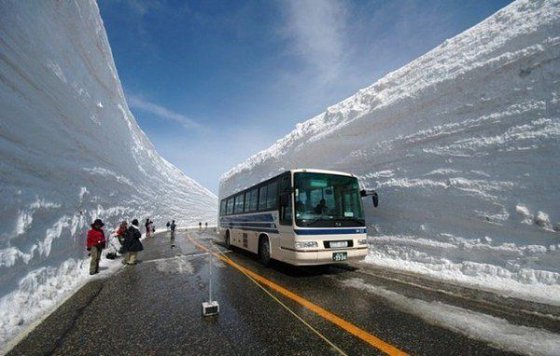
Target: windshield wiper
(320, 218)
(353, 219)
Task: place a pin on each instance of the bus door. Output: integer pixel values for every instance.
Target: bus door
(285, 211)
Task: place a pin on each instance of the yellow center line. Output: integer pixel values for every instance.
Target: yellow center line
(349, 327)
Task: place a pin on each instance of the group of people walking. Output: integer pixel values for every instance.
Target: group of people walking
(128, 236)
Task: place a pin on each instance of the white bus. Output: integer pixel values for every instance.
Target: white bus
(301, 217)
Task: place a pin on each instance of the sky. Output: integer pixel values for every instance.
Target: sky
(213, 82)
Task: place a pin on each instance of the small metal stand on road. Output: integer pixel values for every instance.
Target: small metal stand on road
(211, 307)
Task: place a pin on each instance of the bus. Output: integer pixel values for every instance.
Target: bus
(302, 217)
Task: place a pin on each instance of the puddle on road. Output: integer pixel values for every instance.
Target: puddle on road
(177, 265)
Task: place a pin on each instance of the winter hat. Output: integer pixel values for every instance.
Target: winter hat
(135, 222)
(98, 222)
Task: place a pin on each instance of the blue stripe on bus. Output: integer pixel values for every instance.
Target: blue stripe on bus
(274, 231)
(252, 218)
(256, 223)
(253, 226)
(330, 232)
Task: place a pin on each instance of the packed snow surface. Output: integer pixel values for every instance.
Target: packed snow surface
(495, 331)
(462, 145)
(70, 152)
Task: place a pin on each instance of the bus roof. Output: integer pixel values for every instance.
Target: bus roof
(313, 170)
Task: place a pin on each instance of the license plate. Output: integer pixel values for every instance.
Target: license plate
(339, 256)
(338, 244)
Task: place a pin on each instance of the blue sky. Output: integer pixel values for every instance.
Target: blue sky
(213, 82)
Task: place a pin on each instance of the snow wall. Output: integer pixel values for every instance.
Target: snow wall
(70, 152)
(462, 145)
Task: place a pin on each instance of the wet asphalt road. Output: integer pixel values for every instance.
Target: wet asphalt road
(154, 308)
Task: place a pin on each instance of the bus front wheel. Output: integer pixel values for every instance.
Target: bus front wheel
(264, 251)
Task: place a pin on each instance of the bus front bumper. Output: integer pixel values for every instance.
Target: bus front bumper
(321, 257)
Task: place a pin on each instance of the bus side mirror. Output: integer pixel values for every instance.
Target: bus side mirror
(374, 196)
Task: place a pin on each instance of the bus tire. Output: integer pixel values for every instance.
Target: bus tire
(228, 243)
(264, 250)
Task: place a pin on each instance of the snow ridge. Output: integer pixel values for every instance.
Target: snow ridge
(462, 146)
(70, 151)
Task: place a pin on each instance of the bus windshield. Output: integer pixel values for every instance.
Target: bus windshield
(327, 200)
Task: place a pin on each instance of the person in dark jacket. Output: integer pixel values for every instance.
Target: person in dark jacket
(172, 227)
(132, 243)
(148, 228)
(95, 244)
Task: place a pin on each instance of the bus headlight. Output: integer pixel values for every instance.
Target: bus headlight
(306, 244)
(362, 242)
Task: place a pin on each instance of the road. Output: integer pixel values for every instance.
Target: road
(154, 308)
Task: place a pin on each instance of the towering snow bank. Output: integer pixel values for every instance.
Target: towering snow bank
(70, 151)
(462, 145)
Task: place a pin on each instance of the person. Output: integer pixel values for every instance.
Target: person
(168, 225)
(121, 231)
(172, 228)
(321, 208)
(95, 245)
(132, 243)
(199, 226)
(205, 226)
(148, 228)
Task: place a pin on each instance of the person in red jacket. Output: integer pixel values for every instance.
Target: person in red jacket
(95, 244)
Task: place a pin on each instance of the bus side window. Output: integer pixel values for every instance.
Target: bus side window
(262, 197)
(285, 193)
(222, 207)
(229, 206)
(272, 195)
(247, 202)
(239, 200)
(251, 200)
